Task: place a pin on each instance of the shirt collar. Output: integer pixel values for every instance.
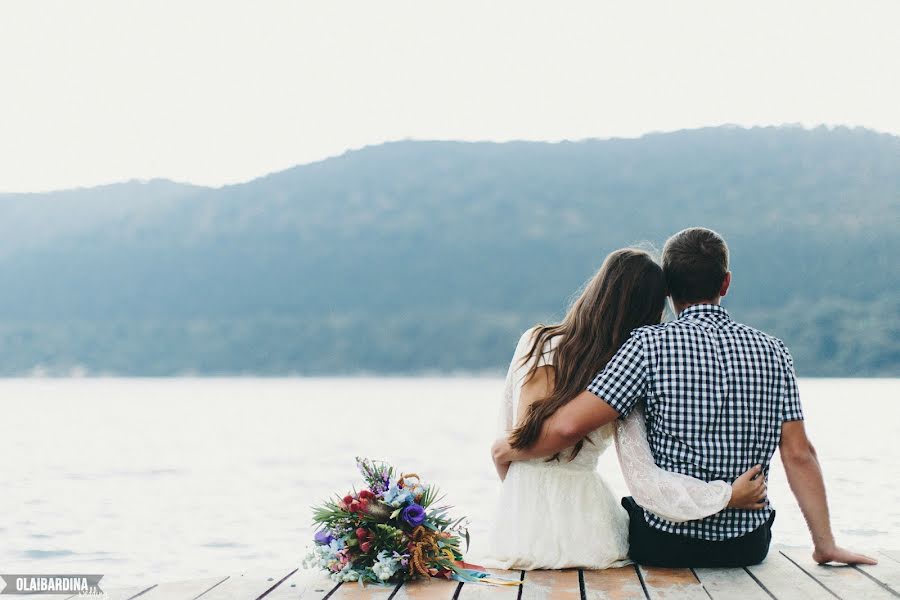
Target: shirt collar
(699, 311)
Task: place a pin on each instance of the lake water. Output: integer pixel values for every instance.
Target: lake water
(148, 480)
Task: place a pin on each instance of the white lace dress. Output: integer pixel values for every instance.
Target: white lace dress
(560, 514)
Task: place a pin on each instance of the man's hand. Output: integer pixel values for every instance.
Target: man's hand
(839, 555)
(499, 452)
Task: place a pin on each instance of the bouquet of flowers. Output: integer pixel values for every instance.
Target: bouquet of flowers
(390, 531)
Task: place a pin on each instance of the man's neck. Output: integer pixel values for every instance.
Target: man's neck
(680, 307)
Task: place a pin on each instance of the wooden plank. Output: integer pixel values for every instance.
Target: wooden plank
(555, 585)
(182, 590)
(672, 584)
(843, 581)
(480, 591)
(785, 580)
(433, 589)
(887, 572)
(612, 584)
(306, 584)
(730, 584)
(244, 586)
(355, 591)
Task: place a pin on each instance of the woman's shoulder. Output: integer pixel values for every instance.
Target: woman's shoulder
(528, 336)
(526, 343)
(527, 339)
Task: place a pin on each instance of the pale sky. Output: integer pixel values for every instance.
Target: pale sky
(217, 92)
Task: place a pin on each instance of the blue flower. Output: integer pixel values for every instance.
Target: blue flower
(412, 484)
(413, 514)
(396, 496)
(337, 544)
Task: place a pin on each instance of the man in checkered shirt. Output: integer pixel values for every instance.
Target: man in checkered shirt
(720, 397)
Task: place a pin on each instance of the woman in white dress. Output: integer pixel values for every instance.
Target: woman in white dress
(560, 513)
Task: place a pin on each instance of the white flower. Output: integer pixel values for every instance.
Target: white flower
(386, 566)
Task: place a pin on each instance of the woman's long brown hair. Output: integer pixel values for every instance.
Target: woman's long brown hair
(626, 293)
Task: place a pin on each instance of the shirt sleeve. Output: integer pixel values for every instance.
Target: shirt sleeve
(790, 392)
(623, 383)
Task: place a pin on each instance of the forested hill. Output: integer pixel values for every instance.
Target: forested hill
(415, 257)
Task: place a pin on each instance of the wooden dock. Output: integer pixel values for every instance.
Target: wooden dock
(787, 574)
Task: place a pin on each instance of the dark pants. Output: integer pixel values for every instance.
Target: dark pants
(655, 548)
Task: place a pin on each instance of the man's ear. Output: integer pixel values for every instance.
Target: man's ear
(725, 283)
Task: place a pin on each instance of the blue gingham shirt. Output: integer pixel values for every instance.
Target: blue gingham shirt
(716, 395)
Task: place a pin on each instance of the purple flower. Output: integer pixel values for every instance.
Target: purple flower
(403, 558)
(413, 514)
(323, 537)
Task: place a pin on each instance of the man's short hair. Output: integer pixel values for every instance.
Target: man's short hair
(695, 262)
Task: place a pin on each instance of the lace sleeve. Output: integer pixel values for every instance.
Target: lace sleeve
(672, 496)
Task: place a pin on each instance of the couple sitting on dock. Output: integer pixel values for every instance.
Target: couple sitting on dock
(696, 408)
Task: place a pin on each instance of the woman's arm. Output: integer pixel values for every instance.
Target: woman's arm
(538, 386)
(673, 496)
(505, 421)
(512, 411)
